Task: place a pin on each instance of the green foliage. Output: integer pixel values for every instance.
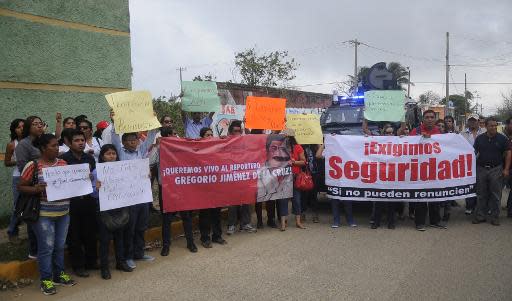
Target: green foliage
(269, 70)
(164, 106)
(400, 73)
(208, 77)
(505, 109)
(429, 98)
(459, 102)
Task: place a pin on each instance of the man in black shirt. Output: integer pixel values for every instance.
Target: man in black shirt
(490, 148)
(82, 212)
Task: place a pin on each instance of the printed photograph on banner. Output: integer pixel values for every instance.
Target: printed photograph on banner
(68, 181)
(265, 113)
(200, 96)
(386, 105)
(124, 183)
(307, 128)
(212, 173)
(275, 179)
(390, 168)
(133, 111)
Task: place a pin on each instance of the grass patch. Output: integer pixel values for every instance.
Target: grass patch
(10, 251)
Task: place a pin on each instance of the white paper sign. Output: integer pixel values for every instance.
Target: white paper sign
(124, 183)
(67, 181)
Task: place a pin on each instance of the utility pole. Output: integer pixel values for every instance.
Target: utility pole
(181, 69)
(355, 43)
(465, 93)
(447, 68)
(409, 83)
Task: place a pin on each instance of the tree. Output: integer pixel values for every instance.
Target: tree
(163, 105)
(429, 98)
(269, 70)
(208, 77)
(505, 109)
(461, 105)
(400, 74)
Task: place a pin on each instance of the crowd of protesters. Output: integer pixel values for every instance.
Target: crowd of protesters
(78, 223)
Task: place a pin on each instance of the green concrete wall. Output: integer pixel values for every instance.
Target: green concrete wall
(110, 14)
(59, 55)
(34, 52)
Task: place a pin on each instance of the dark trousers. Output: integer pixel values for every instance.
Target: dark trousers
(270, 206)
(186, 219)
(420, 213)
(134, 239)
(105, 237)
(310, 198)
(489, 185)
(209, 221)
(242, 211)
(390, 208)
(82, 232)
(32, 240)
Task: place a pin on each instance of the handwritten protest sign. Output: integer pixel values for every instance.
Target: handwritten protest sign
(384, 105)
(265, 113)
(67, 181)
(124, 183)
(133, 111)
(200, 96)
(307, 128)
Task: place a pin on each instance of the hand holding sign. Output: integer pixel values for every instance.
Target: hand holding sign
(265, 113)
(200, 96)
(387, 105)
(132, 111)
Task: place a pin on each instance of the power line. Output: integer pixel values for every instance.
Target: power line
(402, 54)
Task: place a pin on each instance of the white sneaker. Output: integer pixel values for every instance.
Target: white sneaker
(468, 211)
(335, 226)
(131, 263)
(147, 258)
(248, 228)
(231, 230)
(353, 225)
(30, 256)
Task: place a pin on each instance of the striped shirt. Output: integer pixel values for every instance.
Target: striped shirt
(49, 209)
(192, 128)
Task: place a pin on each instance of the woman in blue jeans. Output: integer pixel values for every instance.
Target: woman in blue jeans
(51, 227)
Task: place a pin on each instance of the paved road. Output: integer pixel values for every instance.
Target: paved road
(465, 262)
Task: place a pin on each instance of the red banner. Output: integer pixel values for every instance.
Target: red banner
(212, 172)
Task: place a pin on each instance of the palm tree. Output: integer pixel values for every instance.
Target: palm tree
(400, 73)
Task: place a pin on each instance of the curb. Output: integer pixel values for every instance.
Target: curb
(15, 270)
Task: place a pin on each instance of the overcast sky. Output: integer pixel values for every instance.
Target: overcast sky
(203, 37)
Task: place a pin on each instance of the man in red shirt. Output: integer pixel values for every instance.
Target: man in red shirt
(427, 128)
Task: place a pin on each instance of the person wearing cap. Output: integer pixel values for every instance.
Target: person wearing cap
(472, 131)
(100, 127)
(493, 157)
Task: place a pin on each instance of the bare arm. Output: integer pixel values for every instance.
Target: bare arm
(507, 163)
(366, 131)
(320, 152)
(9, 151)
(301, 162)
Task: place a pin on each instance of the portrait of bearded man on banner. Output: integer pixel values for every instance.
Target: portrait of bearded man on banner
(275, 179)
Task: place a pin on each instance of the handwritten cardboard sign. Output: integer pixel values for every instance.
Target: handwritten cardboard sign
(265, 113)
(307, 128)
(200, 96)
(133, 111)
(384, 105)
(68, 181)
(124, 183)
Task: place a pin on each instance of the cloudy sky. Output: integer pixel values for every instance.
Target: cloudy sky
(203, 37)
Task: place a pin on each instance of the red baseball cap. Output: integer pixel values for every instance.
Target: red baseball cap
(102, 125)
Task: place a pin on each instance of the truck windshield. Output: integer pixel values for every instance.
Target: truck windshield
(340, 114)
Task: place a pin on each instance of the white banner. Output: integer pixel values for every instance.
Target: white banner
(412, 168)
(68, 181)
(124, 183)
